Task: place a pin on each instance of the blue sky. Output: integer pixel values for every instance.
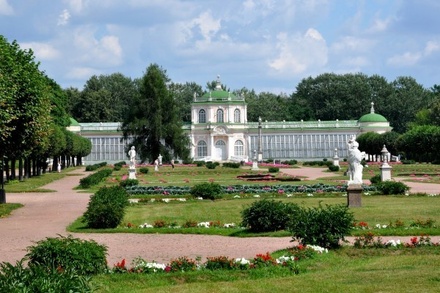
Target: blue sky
(266, 45)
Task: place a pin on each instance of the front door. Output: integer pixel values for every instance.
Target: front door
(220, 150)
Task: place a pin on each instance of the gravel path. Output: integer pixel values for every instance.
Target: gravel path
(48, 215)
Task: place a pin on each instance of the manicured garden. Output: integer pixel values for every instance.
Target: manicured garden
(311, 217)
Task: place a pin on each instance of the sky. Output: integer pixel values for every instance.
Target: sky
(265, 45)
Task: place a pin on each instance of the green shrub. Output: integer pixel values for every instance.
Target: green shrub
(211, 165)
(323, 226)
(95, 167)
(408, 162)
(273, 169)
(129, 182)
(268, 215)
(231, 165)
(144, 170)
(207, 190)
(35, 278)
(392, 187)
(86, 257)
(95, 178)
(106, 208)
(290, 162)
(199, 163)
(376, 179)
(333, 168)
(117, 167)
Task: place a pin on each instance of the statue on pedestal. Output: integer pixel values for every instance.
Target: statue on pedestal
(132, 166)
(355, 157)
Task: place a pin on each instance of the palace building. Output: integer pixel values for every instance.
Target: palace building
(219, 131)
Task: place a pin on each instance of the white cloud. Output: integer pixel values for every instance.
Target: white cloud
(63, 18)
(405, 59)
(412, 58)
(5, 8)
(82, 73)
(380, 25)
(104, 52)
(349, 43)
(299, 54)
(207, 25)
(77, 5)
(42, 51)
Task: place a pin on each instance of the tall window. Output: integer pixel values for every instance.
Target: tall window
(202, 116)
(219, 116)
(202, 149)
(239, 148)
(237, 116)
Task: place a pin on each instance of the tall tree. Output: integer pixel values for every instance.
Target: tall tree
(153, 125)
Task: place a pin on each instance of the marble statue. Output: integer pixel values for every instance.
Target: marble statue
(132, 155)
(355, 157)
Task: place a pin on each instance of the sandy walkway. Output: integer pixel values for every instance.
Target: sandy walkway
(48, 214)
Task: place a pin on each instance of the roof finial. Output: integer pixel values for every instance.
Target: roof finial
(372, 108)
(218, 86)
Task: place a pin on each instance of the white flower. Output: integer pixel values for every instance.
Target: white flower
(242, 261)
(133, 200)
(289, 195)
(256, 195)
(384, 226)
(203, 224)
(393, 242)
(182, 199)
(309, 194)
(318, 249)
(145, 225)
(378, 226)
(200, 198)
(167, 200)
(236, 196)
(229, 225)
(152, 200)
(283, 259)
(366, 193)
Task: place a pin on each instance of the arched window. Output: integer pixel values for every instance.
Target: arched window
(202, 116)
(239, 148)
(220, 116)
(237, 116)
(202, 149)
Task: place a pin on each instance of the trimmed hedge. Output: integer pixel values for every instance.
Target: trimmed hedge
(95, 167)
(95, 178)
(106, 208)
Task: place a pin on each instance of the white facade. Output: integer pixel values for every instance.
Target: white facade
(219, 131)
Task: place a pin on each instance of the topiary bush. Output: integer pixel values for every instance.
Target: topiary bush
(144, 170)
(85, 257)
(231, 165)
(273, 169)
(333, 168)
(106, 208)
(392, 187)
(129, 182)
(211, 165)
(268, 215)
(96, 166)
(207, 190)
(323, 226)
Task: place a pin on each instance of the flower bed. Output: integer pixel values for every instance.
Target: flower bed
(185, 264)
(246, 188)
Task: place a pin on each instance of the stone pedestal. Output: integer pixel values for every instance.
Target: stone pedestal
(385, 172)
(132, 173)
(255, 166)
(354, 199)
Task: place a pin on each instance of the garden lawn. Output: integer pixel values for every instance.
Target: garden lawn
(411, 214)
(344, 270)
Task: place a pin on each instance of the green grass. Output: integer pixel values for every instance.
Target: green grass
(7, 208)
(383, 210)
(34, 184)
(344, 270)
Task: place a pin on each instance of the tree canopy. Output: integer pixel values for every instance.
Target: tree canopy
(153, 124)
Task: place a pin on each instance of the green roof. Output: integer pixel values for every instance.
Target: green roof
(372, 117)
